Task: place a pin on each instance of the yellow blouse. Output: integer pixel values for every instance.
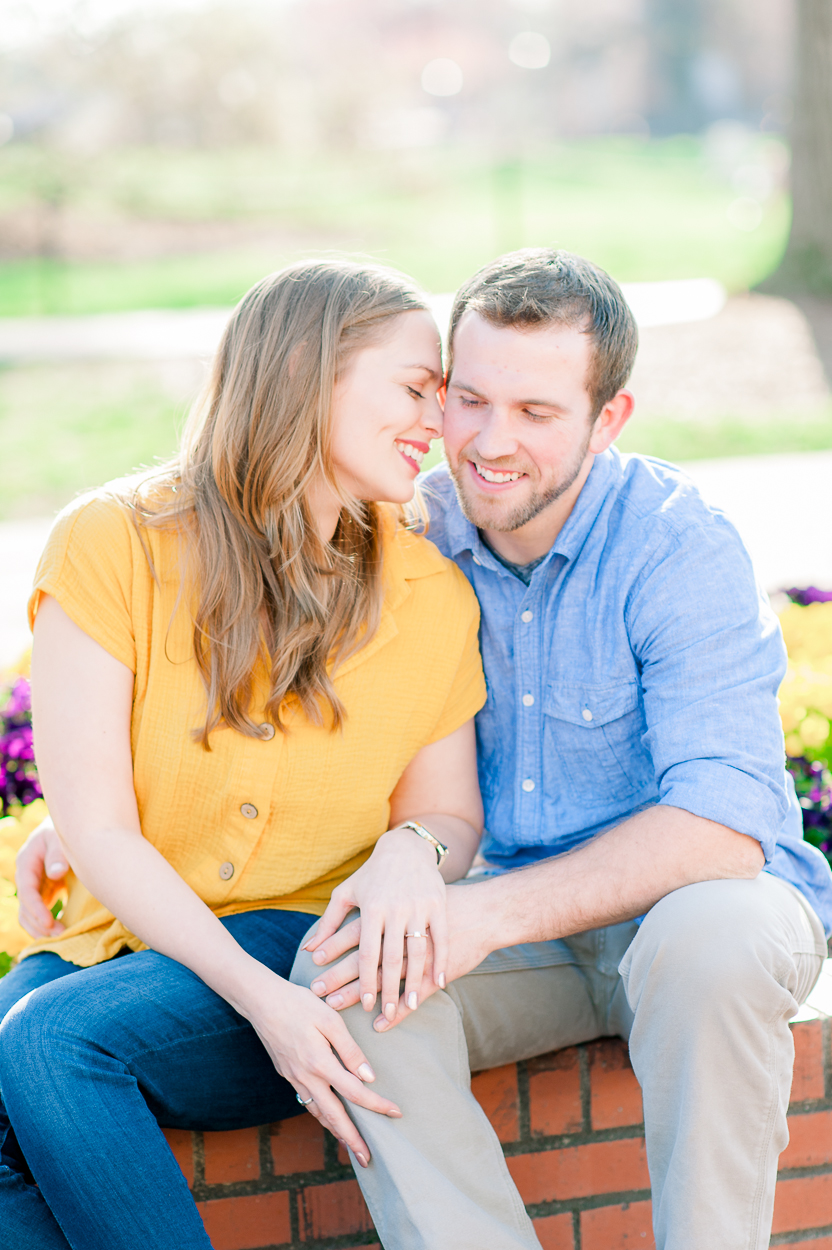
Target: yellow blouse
(275, 823)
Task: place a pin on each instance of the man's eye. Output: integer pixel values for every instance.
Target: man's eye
(537, 416)
(468, 403)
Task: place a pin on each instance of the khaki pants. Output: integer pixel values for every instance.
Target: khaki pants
(703, 988)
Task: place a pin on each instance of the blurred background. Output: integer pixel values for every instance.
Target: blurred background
(160, 156)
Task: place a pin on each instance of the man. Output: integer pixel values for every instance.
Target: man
(631, 763)
(631, 730)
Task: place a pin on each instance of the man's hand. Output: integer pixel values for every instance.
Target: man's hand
(468, 946)
(40, 865)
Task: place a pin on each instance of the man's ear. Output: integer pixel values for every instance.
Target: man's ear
(611, 421)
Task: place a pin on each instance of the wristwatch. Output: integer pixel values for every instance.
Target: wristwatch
(439, 847)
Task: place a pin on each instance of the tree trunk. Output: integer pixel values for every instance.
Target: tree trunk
(807, 264)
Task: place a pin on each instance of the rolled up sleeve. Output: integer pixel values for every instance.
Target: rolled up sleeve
(712, 659)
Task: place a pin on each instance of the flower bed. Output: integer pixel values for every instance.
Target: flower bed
(805, 709)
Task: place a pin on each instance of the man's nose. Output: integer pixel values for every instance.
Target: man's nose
(495, 438)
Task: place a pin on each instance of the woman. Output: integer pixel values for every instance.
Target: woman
(246, 676)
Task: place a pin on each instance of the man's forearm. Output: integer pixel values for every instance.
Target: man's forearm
(615, 877)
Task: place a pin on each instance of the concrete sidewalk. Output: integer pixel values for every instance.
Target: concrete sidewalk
(781, 505)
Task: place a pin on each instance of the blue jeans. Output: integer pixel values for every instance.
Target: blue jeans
(95, 1060)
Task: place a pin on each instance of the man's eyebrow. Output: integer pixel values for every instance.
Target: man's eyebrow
(522, 403)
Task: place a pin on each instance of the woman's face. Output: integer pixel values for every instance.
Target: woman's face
(385, 411)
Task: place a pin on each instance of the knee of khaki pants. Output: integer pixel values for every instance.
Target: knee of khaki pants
(714, 939)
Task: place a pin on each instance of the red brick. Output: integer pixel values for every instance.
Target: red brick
(628, 1227)
(555, 1093)
(333, 1210)
(247, 1223)
(496, 1092)
(805, 1202)
(232, 1156)
(579, 1171)
(810, 1141)
(297, 1145)
(554, 1232)
(807, 1081)
(181, 1144)
(615, 1094)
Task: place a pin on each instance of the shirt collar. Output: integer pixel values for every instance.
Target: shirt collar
(605, 473)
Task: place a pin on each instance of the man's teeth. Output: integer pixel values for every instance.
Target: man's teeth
(491, 476)
(409, 450)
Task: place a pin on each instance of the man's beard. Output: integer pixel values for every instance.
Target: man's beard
(487, 517)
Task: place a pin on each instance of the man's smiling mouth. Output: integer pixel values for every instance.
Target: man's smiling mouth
(496, 475)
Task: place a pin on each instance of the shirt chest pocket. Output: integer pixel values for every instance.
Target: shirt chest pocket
(595, 733)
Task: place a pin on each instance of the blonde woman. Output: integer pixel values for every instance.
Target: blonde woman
(248, 675)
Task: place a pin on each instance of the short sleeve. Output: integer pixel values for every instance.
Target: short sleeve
(467, 693)
(88, 565)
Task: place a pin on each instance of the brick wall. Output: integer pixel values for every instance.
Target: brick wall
(570, 1124)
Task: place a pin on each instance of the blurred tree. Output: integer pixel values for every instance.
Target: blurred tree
(807, 264)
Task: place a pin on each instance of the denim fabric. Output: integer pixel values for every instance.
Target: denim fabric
(94, 1060)
(639, 666)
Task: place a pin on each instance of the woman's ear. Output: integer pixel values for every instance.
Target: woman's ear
(611, 421)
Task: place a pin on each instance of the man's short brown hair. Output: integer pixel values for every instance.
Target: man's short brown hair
(545, 286)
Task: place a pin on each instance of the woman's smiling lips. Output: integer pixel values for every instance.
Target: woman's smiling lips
(498, 479)
(413, 453)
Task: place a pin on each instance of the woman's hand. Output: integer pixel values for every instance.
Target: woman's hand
(401, 895)
(305, 1040)
(40, 864)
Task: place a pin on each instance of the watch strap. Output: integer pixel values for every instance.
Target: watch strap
(439, 847)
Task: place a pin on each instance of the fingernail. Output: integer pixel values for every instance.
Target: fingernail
(368, 1001)
(59, 869)
(366, 1072)
(318, 987)
(394, 1114)
(380, 1024)
(412, 1000)
(390, 1011)
(441, 980)
(319, 957)
(335, 1000)
(361, 1158)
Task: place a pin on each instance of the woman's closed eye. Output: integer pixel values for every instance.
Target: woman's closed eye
(416, 394)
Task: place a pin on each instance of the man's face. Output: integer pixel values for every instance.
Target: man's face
(517, 419)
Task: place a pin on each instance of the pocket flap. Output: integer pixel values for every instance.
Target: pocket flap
(588, 705)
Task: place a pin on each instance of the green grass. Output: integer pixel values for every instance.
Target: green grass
(65, 429)
(716, 437)
(643, 210)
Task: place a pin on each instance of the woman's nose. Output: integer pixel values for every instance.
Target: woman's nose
(433, 419)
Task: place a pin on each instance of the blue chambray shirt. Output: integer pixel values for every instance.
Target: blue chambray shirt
(640, 666)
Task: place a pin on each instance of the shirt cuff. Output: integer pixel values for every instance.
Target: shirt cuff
(729, 796)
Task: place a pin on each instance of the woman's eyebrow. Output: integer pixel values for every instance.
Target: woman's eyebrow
(431, 373)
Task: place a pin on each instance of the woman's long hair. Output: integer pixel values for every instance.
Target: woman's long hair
(266, 588)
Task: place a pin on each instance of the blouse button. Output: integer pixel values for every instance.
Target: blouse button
(528, 785)
(249, 811)
(526, 616)
(587, 715)
(528, 700)
(226, 871)
(267, 732)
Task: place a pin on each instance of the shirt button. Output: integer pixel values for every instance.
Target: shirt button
(587, 715)
(226, 871)
(267, 731)
(526, 616)
(528, 784)
(249, 811)
(528, 700)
